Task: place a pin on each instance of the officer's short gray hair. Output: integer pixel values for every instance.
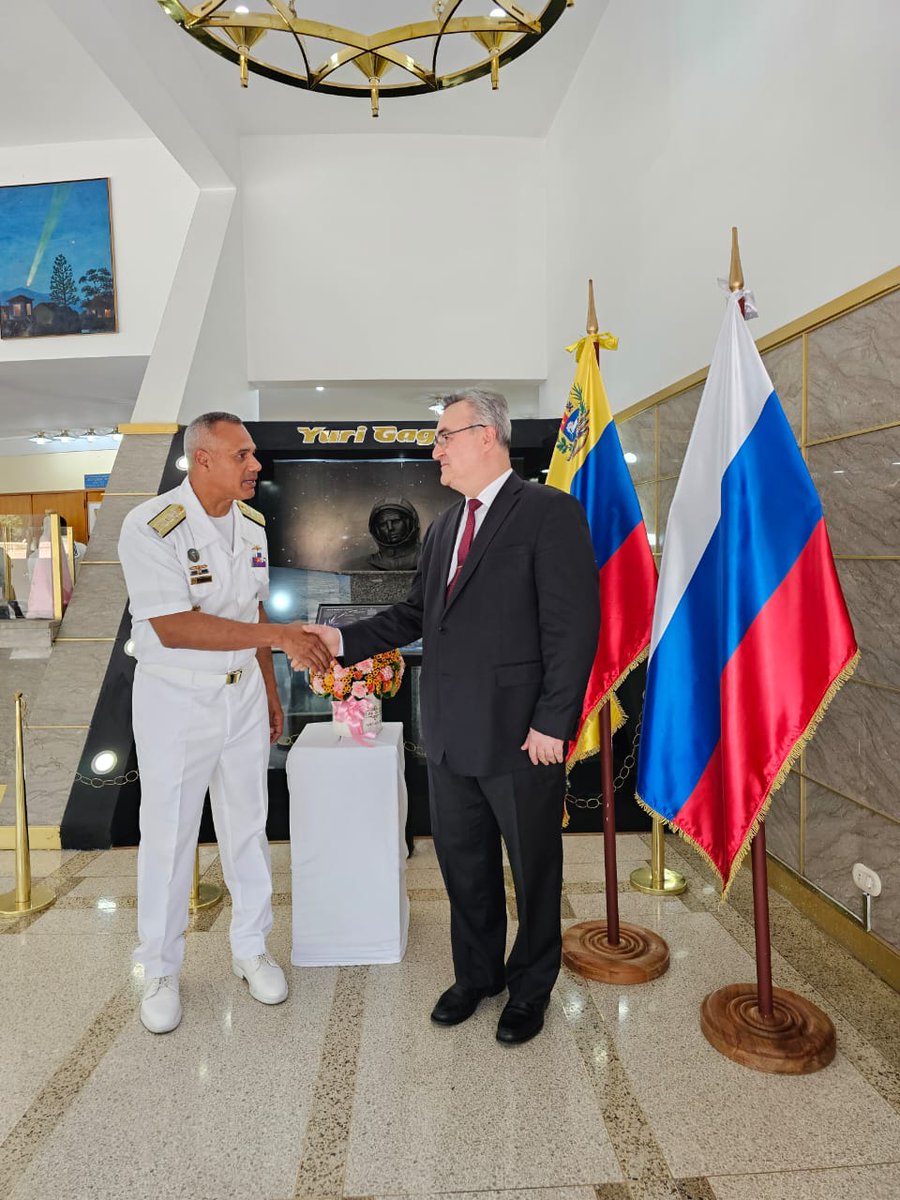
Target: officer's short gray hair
(196, 432)
(490, 409)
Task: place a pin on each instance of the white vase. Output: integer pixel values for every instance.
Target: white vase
(371, 717)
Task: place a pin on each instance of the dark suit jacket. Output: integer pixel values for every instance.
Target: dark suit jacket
(514, 646)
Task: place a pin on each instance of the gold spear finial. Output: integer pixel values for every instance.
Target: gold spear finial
(593, 325)
(735, 271)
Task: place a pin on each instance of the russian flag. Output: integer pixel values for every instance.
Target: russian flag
(589, 464)
(751, 634)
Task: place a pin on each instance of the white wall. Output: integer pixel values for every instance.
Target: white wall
(53, 472)
(151, 201)
(394, 258)
(685, 119)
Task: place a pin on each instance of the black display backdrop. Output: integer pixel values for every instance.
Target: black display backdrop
(318, 487)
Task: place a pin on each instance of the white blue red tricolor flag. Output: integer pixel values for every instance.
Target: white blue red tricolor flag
(751, 635)
(588, 463)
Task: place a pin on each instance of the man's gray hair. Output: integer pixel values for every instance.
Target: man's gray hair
(490, 409)
(196, 432)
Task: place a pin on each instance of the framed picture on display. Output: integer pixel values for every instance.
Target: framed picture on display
(56, 259)
(345, 614)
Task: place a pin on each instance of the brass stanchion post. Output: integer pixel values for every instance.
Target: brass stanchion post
(56, 567)
(203, 895)
(655, 880)
(24, 899)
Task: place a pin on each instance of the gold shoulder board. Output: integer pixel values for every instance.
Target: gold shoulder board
(250, 513)
(168, 519)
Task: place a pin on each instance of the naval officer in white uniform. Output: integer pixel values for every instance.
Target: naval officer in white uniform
(205, 705)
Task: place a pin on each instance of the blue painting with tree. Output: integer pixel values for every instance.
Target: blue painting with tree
(56, 266)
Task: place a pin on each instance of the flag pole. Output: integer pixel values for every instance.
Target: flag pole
(768, 1029)
(611, 951)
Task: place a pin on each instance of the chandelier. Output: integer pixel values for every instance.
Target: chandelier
(427, 54)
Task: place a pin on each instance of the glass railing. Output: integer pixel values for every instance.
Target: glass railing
(36, 567)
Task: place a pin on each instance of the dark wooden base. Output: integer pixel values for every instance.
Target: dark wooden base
(797, 1040)
(639, 956)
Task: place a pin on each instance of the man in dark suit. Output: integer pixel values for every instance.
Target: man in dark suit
(506, 599)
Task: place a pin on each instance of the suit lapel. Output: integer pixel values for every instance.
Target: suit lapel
(505, 501)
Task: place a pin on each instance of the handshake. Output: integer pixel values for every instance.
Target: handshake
(309, 646)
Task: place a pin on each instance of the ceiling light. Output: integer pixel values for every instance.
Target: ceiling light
(115, 435)
(65, 436)
(90, 436)
(437, 407)
(39, 438)
(319, 388)
(630, 457)
(425, 57)
(104, 762)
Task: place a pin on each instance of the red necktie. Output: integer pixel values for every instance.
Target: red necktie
(465, 545)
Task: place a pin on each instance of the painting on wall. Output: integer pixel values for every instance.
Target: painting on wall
(56, 259)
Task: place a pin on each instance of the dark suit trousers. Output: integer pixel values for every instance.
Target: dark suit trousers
(469, 815)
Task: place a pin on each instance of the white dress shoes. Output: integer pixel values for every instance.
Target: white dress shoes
(265, 977)
(161, 1004)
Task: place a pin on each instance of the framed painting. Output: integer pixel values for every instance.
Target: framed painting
(56, 259)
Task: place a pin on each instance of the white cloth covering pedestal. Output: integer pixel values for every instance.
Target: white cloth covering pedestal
(348, 850)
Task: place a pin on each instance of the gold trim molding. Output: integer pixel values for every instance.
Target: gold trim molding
(40, 837)
(143, 429)
(869, 948)
(880, 286)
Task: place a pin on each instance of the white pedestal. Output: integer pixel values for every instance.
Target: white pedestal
(348, 851)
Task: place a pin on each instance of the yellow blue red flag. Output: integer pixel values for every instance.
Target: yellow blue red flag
(589, 464)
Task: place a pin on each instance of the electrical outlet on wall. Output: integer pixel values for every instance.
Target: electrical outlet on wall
(866, 879)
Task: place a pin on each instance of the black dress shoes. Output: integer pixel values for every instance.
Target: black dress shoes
(520, 1022)
(458, 1003)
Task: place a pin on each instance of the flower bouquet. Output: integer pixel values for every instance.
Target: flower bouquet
(356, 693)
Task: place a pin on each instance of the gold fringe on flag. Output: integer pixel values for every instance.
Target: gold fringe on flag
(793, 754)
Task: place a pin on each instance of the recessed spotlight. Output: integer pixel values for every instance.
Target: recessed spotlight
(241, 8)
(129, 647)
(499, 12)
(630, 457)
(104, 762)
(182, 463)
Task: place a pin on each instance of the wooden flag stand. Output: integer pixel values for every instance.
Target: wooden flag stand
(768, 1029)
(611, 951)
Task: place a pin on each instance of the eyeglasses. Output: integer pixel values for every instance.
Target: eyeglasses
(443, 436)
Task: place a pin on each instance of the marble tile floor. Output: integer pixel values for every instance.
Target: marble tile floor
(347, 1090)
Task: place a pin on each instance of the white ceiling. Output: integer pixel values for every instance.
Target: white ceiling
(52, 90)
(60, 393)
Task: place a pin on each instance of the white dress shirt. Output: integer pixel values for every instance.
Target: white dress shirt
(487, 497)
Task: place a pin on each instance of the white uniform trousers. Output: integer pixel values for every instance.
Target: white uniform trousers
(193, 733)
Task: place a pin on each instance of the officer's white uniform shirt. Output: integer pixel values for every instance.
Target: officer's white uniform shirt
(191, 567)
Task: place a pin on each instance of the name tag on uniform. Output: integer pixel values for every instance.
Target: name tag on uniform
(200, 574)
(258, 559)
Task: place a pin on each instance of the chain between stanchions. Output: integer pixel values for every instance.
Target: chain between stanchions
(595, 802)
(117, 781)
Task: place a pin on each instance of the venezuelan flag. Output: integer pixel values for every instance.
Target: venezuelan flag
(751, 635)
(589, 464)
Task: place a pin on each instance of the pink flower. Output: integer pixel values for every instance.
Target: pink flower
(318, 685)
(387, 674)
(365, 665)
(359, 690)
(340, 672)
